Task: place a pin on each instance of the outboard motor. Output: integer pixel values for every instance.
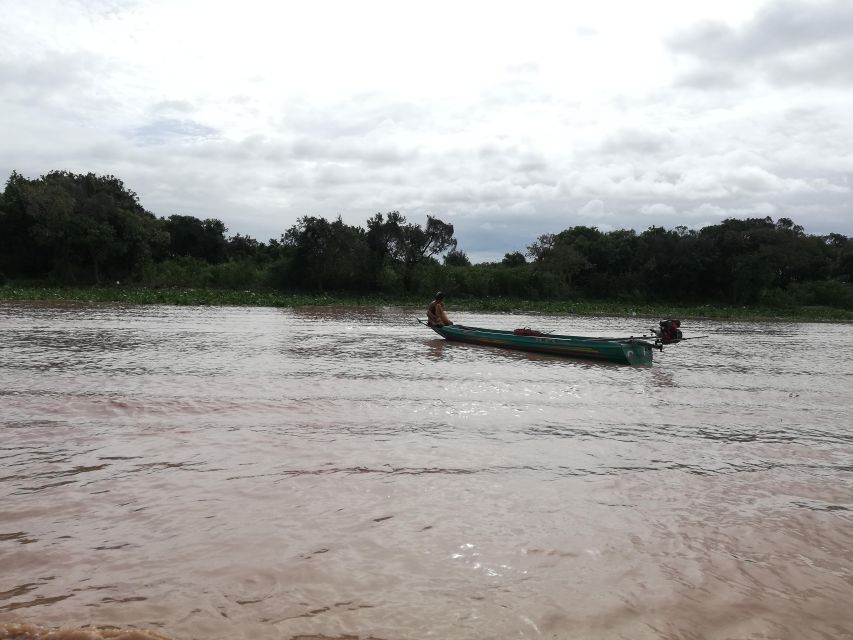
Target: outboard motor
(669, 332)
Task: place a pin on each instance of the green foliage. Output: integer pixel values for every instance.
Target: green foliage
(390, 281)
(827, 293)
(181, 272)
(514, 259)
(456, 258)
(203, 239)
(73, 227)
(327, 255)
(88, 229)
(246, 248)
(407, 246)
(270, 298)
(237, 274)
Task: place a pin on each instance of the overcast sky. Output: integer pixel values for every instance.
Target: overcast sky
(507, 119)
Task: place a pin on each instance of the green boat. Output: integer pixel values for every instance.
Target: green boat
(631, 350)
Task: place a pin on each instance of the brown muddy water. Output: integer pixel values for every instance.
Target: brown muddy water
(264, 473)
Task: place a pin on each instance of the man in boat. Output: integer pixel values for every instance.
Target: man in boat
(436, 315)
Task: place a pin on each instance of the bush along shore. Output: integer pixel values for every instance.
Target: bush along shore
(88, 230)
(271, 298)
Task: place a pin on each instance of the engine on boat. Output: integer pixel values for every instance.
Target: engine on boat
(669, 332)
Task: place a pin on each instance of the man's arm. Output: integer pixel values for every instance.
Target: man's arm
(432, 316)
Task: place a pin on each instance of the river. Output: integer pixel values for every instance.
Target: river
(222, 472)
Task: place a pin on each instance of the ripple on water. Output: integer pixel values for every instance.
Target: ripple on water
(254, 473)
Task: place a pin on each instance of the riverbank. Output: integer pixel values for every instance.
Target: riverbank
(228, 297)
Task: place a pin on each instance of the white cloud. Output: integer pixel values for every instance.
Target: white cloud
(643, 141)
(789, 42)
(593, 209)
(708, 211)
(658, 209)
(496, 117)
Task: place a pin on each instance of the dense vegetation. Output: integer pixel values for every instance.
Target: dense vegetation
(71, 229)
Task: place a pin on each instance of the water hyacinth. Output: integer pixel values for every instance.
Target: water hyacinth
(271, 298)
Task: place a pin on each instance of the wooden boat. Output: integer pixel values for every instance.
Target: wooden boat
(620, 350)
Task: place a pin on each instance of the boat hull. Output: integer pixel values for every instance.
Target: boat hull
(619, 350)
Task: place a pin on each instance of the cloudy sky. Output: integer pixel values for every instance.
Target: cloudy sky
(507, 119)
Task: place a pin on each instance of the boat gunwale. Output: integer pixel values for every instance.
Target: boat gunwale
(452, 329)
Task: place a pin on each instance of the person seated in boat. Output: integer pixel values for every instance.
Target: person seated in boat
(436, 315)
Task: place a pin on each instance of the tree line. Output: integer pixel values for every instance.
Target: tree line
(91, 229)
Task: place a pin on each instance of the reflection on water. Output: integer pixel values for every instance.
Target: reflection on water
(265, 473)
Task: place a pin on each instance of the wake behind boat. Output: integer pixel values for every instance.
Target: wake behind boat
(635, 351)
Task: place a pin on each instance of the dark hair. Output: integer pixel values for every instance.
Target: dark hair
(439, 295)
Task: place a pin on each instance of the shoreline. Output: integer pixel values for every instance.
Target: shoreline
(230, 297)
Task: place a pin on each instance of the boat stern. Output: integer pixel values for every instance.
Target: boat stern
(637, 352)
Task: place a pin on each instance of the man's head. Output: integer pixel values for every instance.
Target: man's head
(439, 295)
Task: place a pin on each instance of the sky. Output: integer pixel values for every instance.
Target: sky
(507, 119)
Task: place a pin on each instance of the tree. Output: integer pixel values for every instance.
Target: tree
(422, 245)
(557, 255)
(385, 237)
(239, 247)
(194, 238)
(842, 261)
(74, 226)
(541, 248)
(51, 209)
(326, 255)
(407, 245)
(19, 253)
(456, 258)
(385, 242)
(514, 259)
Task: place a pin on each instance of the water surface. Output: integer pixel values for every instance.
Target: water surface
(265, 473)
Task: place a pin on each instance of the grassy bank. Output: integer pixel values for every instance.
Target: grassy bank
(181, 297)
(658, 310)
(227, 297)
